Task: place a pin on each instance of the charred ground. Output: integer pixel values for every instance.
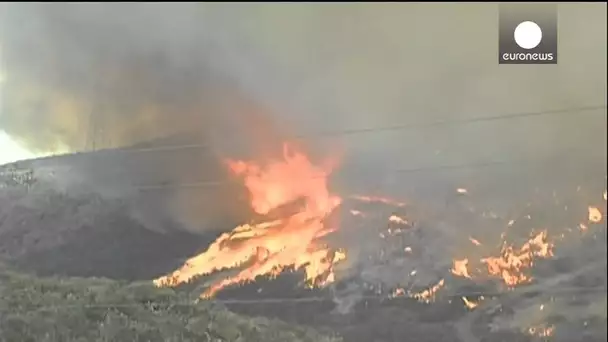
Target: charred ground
(50, 230)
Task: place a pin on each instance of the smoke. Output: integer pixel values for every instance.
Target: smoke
(114, 74)
(90, 76)
(242, 77)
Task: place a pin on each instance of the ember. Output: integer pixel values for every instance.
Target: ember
(595, 215)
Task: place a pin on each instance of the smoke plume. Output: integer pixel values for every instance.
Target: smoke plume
(108, 75)
(242, 77)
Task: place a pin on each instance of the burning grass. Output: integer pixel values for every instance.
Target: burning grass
(491, 265)
(405, 256)
(267, 248)
(398, 254)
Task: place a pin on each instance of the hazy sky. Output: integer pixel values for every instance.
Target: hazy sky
(11, 151)
(114, 74)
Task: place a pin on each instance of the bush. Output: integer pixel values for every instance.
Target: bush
(76, 309)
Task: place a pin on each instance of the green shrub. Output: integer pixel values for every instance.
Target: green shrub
(98, 310)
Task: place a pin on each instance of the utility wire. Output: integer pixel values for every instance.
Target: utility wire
(215, 183)
(312, 299)
(400, 127)
(347, 132)
(452, 122)
(477, 165)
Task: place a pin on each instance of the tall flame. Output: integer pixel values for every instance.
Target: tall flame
(268, 248)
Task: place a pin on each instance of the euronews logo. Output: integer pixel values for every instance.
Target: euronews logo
(527, 34)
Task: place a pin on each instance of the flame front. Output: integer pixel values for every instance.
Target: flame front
(428, 295)
(268, 248)
(512, 262)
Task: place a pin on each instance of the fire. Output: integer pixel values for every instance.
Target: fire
(510, 265)
(397, 219)
(378, 199)
(470, 304)
(428, 295)
(475, 241)
(595, 215)
(541, 331)
(398, 292)
(460, 268)
(268, 248)
(512, 262)
(425, 296)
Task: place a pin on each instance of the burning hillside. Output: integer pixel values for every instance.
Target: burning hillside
(533, 269)
(268, 247)
(407, 254)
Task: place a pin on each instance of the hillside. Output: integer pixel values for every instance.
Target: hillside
(53, 232)
(74, 309)
(84, 229)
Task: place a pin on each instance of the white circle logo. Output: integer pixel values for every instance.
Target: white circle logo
(528, 35)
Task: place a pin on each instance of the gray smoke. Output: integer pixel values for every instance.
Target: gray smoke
(238, 76)
(138, 71)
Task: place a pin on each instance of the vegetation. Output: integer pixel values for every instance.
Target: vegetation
(77, 309)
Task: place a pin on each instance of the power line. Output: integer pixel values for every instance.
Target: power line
(400, 127)
(464, 120)
(478, 165)
(312, 299)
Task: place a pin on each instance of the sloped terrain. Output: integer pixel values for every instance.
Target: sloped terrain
(112, 213)
(50, 230)
(52, 233)
(58, 234)
(72, 309)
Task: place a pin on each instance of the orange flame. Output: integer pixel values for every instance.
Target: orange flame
(541, 331)
(378, 199)
(428, 295)
(470, 304)
(595, 215)
(425, 296)
(512, 262)
(270, 247)
(460, 268)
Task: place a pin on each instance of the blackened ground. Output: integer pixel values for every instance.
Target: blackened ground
(89, 236)
(405, 319)
(371, 320)
(108, 213)
(84, 234)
